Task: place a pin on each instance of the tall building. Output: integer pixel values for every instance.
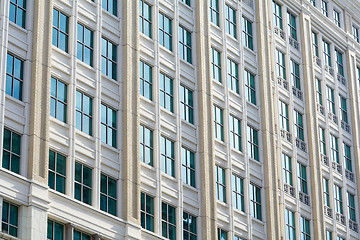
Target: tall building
(179, 119)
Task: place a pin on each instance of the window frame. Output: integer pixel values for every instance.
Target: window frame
(292, 26)
(167, 159)
(59, 31)
(56, 100)
(7, 222)
(216, 64)
(277, 15)
(287, 169)
(14, 77)
(144, 20)
(295, 74)
(165, 33)
(52, 231)
(302, 178)
(185, 45)
(57, 175)
(164, 94)
(290, 224)
(188, 230)
(214, 12)
(106, 195)
(166, 221)
(107, 6)
(10, 151)
(147, 212)
(238, 192)
(247, 30)
(84, 46)
(220, 183)
(81, 183)
(230, 20)
(187, 104)
(233, 75)
(188, 166)
(235, 132)
(109, 61)
(253, 143)
(146, 82)
(338, 202)
(280, 63)
(144, 146)
(218, 123)
(255, 202)
(109, 125)
(83, 113)
(16, 11)
(299, 125)
(334, 148)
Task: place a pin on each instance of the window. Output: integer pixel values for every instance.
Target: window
(315, 44)
(287, 169)
(356, 33)
(290, 225)
(277, 15)
(318, 92)
(334, 149)
(17, 13)
(218, 123)
(299, 126)
(302, 179)
(55, 230)
(326, 192)
(238, 192)
(347, 157)
(340, 238)
(81, 236)
(108, 194)
(220, 184)
(147, 212)
(60, 33)
(167, 156)
(146, 145)
(165, 31)
(351, 207)
(253, 144)
(305, 229)
(186, 100)
(327, 54)
(214, 12)
(84, 113)
(255, 201)
(247, 34)
(230, 15)
(295, 74)
(235, 133)
(145, 80)
(185, 44)
(187, 2)
(14, 76)
(222, 234)
(168, 221)
(339, 62)
(314, 4)
(328, 235)
(57, 171)
(188, 166)
(189, 226)
(280, 64)
(216, 65)
(58, 100)
(337, 18)
(110, 5)
(338, 199)
(324, 7)
(145, 18)
(83, 183)
(322, 141)
(233, 75)
(108, 125)
(343, 109)
(166, 92)
(108, 58)
(284, 116)
(237, 238)
(250, 87)
(11, 151)
(330, 100)
(85, 44)
(10, 219)
(292, 26)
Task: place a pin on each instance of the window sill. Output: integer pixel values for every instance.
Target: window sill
(85, 135)
(191, 188)
(219, 202)
(83, 64)
(106, 12)
(185, 5)
(232, 37)
(58, 122)
(109, 78)
(21, 29)
(187, 63)
(147, 165)
(191, 125)
(167, 176)
(217, 82)
(14, 100)
(60, 51)
(109, 147)
(252, 105)
(255, 162)
(168, 51)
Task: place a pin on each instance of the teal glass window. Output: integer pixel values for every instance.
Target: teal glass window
(166, 92)
(218, 123)
(10, 219)
(110, 6)
(77, 235)
(318, 92)
(302, 179)
(147, 212)
(233, 75)
(295, 74)
(315, 43)
(284, 116)
(187, 2)
(11, 151)
(57, 171)
(292, 26)
(14, 76)
(290, 225)
(108, 194)
(216, 64)
(185, 44)
(326, 192)
(277, 15)
(334, 149)
(230, 16)
(145, 18)
(84, 113)
(188, 166)
(299, 125)
(347, 157)
(250, 92)
(351, 207)
(330, 99)
(343, 109)
(324, 7)
(60, 33)
(17, 12)
(305, 229)
(327, 53)
(145, 80)
(252, 143)
(187, 105)
(238, 192)
(287, 169)
(85, 44)
(339, 62)
(255, 201)
(222, 234)
(235, 133)
(247, 33)
(146, 145)
(322, 141)
(58, 100)
(167, 156)
(108, 125)
(165, 31)
(338, 199)
(108, 58)
(189, 226)
(280, 64)
(220, 184)
(328, 235)
(337, 20)
(214, 12)
(83, 183)
(168, 221)
(55, 230)
(356, 34)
